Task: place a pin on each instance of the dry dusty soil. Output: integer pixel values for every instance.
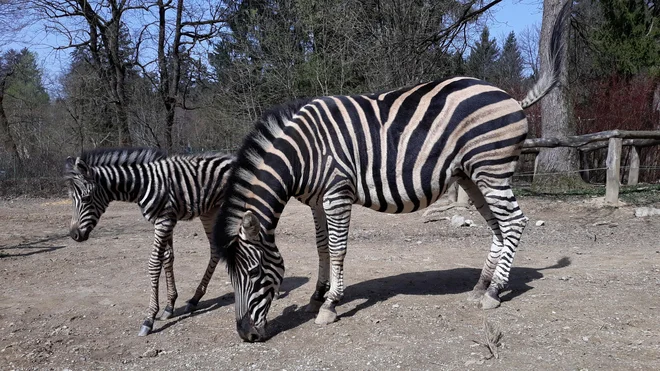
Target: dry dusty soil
(584, 294)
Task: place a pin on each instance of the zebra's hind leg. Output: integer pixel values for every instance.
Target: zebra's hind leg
(323, 280)
(481, 205)
(511, 222)
(163, 233)
(207, 220)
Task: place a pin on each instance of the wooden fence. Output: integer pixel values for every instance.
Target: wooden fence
(614, 140)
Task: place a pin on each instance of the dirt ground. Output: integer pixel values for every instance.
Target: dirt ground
(583, 295)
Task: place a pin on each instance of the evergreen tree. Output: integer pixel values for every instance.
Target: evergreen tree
(24, 79)
(629, 37)
(482, 60)
(510, 64)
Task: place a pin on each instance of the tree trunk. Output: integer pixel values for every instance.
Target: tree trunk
(7, 139)
(556, 116)
(170, 70)
(122, 111)
(656, 105)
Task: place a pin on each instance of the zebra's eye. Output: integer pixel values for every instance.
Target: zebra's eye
(254, 272)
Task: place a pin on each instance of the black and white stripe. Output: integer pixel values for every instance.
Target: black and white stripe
(393, 152)
(167, 189)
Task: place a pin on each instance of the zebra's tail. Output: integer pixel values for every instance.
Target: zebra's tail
(550, 77)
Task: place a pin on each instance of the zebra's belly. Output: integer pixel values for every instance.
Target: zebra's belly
(379, 199)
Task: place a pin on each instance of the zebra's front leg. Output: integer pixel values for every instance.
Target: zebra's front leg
(168, 265)
(338, 215)
(323, 279)
(163, 232)
(208, 221)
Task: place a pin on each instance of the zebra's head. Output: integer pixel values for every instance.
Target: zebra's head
(256, 270)
(88, 203)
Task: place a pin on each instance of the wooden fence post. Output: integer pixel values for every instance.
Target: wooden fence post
(613, 171)
(633, 173)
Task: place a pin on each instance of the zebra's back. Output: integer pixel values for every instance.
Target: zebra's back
(402, 148)
(195, 183)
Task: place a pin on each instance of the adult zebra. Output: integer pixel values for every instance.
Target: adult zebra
(393, 152)
(167, 189)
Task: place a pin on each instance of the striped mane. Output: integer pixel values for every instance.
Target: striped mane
(115, 157)
(121, 156)
(264, 132)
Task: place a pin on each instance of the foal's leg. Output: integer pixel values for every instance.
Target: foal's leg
(163, 235)
(323, 279)
(207, 220)
(168, 267)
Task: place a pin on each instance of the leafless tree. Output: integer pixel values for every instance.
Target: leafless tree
(529, 48)
(96, 26)
(178, 36)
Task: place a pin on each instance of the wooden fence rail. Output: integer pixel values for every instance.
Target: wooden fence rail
(614, 140)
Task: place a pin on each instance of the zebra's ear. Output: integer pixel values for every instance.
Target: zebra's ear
(69, 163)
(250, 226)
(81, 167)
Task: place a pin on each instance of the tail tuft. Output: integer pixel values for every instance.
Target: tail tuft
(550, 78)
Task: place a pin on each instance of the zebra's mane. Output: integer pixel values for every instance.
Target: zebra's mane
(114, 157)
(121, 156)
(267, 129)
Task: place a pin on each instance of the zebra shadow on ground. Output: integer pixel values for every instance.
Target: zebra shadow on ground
(441, 282)
(31, 248)
(289, 284)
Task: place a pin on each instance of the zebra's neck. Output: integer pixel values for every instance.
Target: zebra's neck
(123, 182)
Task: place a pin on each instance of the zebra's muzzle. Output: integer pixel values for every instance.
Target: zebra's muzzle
(248, 331)
(78, 235)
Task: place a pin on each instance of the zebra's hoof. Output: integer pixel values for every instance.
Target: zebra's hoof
(326, 316)
(190, 307)
(147, 325)
(313, 306)
(476, 295)
(167, 313)
(144, 330)
(489, 302)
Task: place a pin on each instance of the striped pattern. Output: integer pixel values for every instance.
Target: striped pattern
(393, 152)
(167, 189)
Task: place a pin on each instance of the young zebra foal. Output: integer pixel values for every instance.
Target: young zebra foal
(166, 188)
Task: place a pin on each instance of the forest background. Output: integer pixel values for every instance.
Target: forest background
(196, 75)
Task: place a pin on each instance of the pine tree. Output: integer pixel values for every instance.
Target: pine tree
(482, 60)
(510, 64)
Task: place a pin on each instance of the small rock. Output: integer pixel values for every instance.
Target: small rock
(457, 221)
(150, 353)
(540, 223)
(565, 278)
(469, 222)
(646, 211)
(395, 306)
(585, 338)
